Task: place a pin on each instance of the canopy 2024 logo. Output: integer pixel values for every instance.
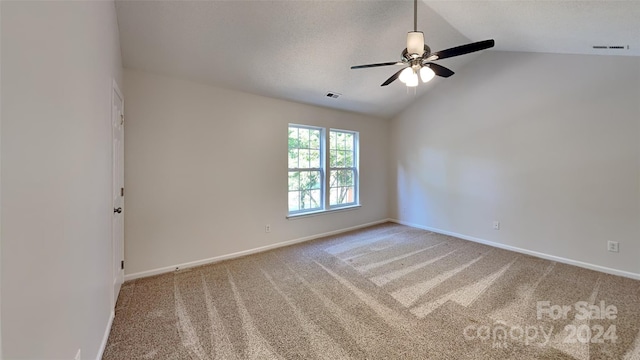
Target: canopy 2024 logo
(582, 311)
(500, 333)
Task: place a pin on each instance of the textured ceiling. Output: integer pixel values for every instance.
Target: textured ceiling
(560, 26)
(301, 50)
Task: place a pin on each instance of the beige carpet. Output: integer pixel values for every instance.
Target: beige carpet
(385, 292)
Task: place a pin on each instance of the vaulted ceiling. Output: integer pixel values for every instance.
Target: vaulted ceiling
(301, 50)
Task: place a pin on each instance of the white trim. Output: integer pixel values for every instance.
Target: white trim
(238, 254)
(321, 212)
(117, 89)
(525, 251)
(115, 263)
(355, 168)
(105, 338)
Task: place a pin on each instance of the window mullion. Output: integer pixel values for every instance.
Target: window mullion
(305, 169)
(327, 174)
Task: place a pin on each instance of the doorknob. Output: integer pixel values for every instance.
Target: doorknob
(118, 210)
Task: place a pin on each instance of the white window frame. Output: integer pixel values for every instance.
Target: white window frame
(321, 169)
(325, 172)
(354, 168)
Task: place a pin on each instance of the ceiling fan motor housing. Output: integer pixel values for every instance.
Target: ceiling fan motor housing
(406, 57)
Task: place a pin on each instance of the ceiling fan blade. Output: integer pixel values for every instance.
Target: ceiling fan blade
(440, 70)
(375, 65)
(463, 49)
(392, 78)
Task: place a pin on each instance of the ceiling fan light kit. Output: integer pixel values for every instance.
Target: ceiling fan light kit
(426, 74)
(417, 57)
(406, 75)
(412, 81)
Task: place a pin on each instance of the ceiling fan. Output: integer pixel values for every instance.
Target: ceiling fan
(417, 57)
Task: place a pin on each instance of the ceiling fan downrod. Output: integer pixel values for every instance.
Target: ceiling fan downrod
(415, 15)
(415, 38)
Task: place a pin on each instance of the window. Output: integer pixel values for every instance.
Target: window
(342, 168)
(306, 169)
(308, 163)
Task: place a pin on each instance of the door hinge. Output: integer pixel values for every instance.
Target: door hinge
(122, 265)
(121, 191)
(121, 119)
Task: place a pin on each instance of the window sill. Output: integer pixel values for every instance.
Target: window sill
(322, 212)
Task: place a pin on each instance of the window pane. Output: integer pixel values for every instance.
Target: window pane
(305, 201)
(310, 200)
(293, 147)
(348, 141)
(333, 196)
(304, 159)
(293, 158)
(342, 187)
(342, 149)
(305, 147)
(314, 159)
(305, 187)
(333, 161)
(310, 180)
(342, 195)
(316, 200)
(293, 137)
(340, 159)
(304, 138)
(342, 178)
(294, 200)
(348, 158)
(314, 139)
(294, 180)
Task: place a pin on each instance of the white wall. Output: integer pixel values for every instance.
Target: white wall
(58, 62)
(1, 357)
(206, 169)
(549, 145)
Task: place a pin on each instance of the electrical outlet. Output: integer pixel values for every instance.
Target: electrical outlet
(612, 246)
(496, 225)
(78, 356)
(267, 228)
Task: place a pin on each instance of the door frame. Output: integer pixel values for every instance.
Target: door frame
(117, 244)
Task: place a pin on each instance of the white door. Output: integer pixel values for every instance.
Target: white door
(117, 128)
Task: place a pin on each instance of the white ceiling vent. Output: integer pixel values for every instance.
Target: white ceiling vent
(611, 47)
(333, 95)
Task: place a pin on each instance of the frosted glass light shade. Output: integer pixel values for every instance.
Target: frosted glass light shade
(426, 74)
(406, 74)
(413, 80)
(415, 43)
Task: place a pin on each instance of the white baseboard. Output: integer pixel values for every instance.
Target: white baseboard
(525, 251)
(215, 259)
(105, 338)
